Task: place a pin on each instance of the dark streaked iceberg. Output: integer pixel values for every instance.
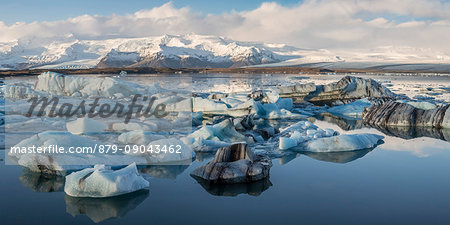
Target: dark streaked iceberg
(234, 164)
(400, 114)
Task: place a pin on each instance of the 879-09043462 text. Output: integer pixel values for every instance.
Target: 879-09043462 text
(98, 148)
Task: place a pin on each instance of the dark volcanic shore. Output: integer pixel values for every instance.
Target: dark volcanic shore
(166, 70)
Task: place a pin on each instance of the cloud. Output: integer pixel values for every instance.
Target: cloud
(346, 24)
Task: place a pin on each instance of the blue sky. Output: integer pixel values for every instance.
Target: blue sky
(328, 24)
(12, 11)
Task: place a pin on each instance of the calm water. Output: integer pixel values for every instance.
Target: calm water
(403, 181)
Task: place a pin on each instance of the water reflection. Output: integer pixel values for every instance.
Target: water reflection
(343, 123)
(415, 132)
(338, 157)
(100, 209)
(42, 182)
(289, 157)
(347, 124)
(232, 190)
(164, 171)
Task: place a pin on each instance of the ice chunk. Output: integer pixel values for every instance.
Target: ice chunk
(223, 131)
(101, 182)
(353, 109)
(165, 151)
(59, 163)
(139, 137)
(200, 144)
(287, 143)
(59, 84)
(285, 103)
(234, 164)
(85, 125)
(345, 142)
(20, 91)
(272, 111)
(208, 106)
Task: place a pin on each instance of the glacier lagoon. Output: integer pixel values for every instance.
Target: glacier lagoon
(402, 180)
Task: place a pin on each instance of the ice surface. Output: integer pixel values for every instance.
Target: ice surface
(300, 132)
(344, 142)
(101, 182)
(353, 109)
(59, 84)
(224, 131)
(85, 125)
(139, 137)
(423, 105)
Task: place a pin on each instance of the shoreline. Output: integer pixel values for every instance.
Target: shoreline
(246, 70)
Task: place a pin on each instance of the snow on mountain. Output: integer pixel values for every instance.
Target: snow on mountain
(171, 51)
(194, 51)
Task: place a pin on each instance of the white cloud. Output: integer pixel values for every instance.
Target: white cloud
(346, 24)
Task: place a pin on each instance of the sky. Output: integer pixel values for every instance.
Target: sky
(343, 24)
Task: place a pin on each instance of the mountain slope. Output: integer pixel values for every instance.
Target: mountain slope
(203, 51)
(163, 51)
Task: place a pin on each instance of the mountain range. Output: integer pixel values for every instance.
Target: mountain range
(201, 51)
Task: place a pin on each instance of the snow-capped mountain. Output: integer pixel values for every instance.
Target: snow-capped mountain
(164, 51)
(203, 51)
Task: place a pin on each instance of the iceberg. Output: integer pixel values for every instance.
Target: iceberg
(101, 182)
(224, 131)
(234, 164)
(344, 142)
(300, 132)
(61, 163)
(139, 137)
(85, 125)
(353, 109)
(394, 113)
(78, 86)
(20, 91)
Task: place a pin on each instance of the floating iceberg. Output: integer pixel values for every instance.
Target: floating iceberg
(21, 91)
(404, 114)
(344, 142)
(139, 137)
(353, 109)
(63, 162)
(301, 132)
(59, 84)
(101, 182)
(224, 131)
(234, 164)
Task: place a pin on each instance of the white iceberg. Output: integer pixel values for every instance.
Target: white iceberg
(300, 132)
(208, 106)
(59, 84)
(85, 125)
(345, 142)
(101, 182)
(287, 143)
(139, 137)
(223, 131)
(20, 91)
(60, 163)
(273, 111)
